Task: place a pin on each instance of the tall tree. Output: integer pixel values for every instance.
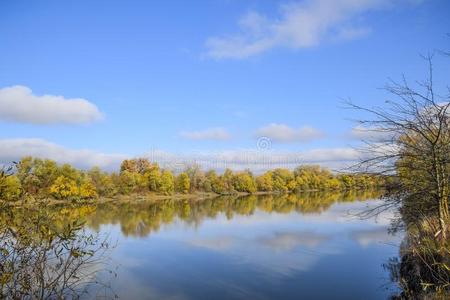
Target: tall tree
(410, 139)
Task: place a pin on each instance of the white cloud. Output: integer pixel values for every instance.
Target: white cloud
(285, 134)
(215, 134)
(255, 160)
(299, 25)
(371, 134)
(15, 149)
(19, 104)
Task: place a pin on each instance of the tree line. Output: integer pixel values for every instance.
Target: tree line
(43, 179)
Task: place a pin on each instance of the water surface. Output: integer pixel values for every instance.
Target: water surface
(308, 246)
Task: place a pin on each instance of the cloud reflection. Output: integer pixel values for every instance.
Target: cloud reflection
(287, 241)
(378, 235)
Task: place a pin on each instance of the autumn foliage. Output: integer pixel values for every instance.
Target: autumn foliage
(44, 178)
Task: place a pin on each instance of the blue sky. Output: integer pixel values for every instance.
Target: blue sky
(208, 77)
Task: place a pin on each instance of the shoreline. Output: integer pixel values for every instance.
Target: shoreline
(152, 197)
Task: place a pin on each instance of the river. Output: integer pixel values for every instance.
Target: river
(310, 246)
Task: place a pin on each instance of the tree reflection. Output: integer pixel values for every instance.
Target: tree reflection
(45, 255)
(142, 218)
(52, 252)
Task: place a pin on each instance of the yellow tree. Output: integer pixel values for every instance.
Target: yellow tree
(64, 188)
(265, 182)
(88, 190)
(167, 183)
(153, 177)
(183, 183)
(243, 182)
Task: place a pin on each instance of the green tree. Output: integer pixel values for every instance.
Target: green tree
(227, 181)
(68, 171)
(183, 183)
(103, 182)
(128, 182)
(153, 177)
(244, 182)
(36, 175)
(216, 182)
(347, 181)
(167, 183)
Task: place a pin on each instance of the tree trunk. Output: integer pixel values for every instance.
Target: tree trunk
(443, 216)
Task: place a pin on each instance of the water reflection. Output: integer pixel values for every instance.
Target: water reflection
(139, 219)
(286, 241)
(377, 235)
(306, 246)
(267, 247)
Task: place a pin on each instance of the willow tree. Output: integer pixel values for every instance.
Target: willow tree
(409, 139)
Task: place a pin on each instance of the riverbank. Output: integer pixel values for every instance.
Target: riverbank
(423, 271)
(154, 197)
(150, 197)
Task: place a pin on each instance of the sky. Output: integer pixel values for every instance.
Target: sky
(221, 83)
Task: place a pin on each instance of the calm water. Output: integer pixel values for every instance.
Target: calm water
(289, 247)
